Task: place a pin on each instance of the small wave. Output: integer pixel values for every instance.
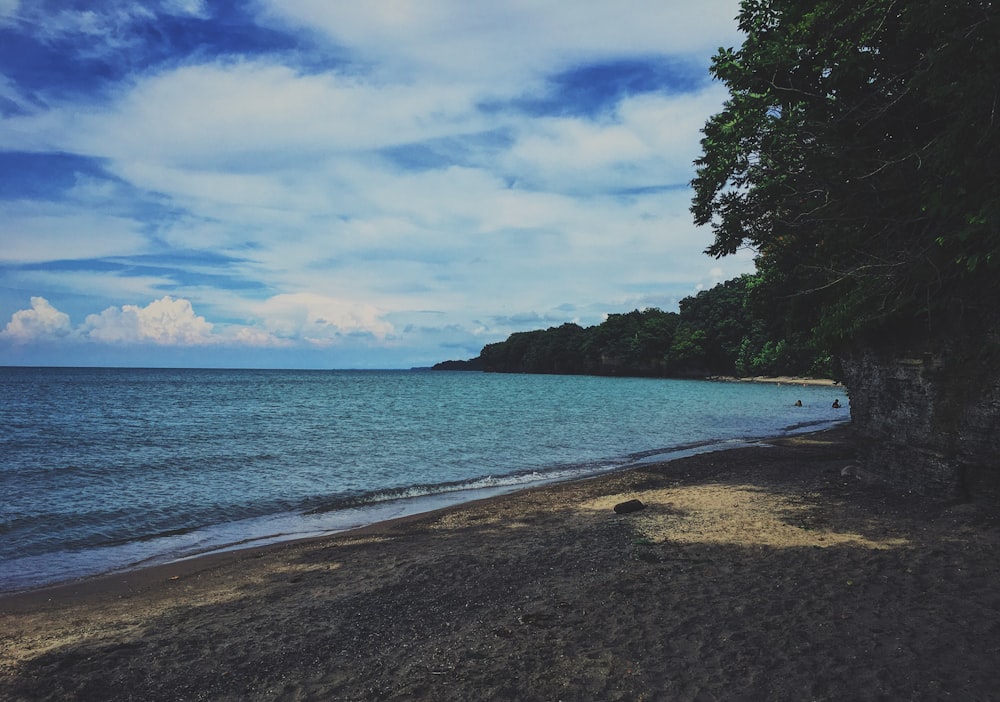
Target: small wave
(526, 478)
(151, 537)
(641, 455)
(807, 425)
(513, 480)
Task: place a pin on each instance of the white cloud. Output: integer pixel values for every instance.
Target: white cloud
(320, 320)
(248, 336)
(284, 321)
(165, 321)
(106, 26)
(33, 232)
(648, 140)
(193, 8)
(574, 144)
(266, 113)
(8, 10)
(504, 43)
(107, 29)
(91, 285)
(42, 321)
(10, 93)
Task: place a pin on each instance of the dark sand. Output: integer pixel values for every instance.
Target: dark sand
(754, 574)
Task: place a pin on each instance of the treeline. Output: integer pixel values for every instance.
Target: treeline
(716, 332)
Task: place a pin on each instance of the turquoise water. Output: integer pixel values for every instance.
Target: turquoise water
(107, 469)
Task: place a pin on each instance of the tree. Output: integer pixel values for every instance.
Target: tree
(687, 352)
(721, 313)
(858, 156)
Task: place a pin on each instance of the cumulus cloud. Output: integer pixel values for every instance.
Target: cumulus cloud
(41, 322)
(165, 321)
(283, 321)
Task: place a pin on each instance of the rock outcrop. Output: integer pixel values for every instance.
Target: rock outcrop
(929, 419)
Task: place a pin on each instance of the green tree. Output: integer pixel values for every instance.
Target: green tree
(687, 352)
(858, 156)
(723, 315)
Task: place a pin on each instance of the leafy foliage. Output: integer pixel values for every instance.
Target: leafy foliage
(715, 333)
(858, 155)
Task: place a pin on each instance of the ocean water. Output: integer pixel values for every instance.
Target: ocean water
(111, 469)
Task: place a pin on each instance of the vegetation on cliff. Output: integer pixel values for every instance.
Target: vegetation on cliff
(717, 332)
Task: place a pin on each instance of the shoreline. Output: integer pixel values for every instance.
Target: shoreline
(419, 507)
(759, 570)
(321, 522)
(776, 380)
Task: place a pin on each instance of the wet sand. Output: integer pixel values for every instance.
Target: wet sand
(754, 574)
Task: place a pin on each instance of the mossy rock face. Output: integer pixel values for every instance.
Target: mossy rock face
(929, 416)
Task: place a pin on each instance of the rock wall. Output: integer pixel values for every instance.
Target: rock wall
(929, 419)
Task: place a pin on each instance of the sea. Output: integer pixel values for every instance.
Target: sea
(110, 469)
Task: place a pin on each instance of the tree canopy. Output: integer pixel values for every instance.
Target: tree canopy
(858, 156)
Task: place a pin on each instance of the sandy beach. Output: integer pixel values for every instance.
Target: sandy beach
(776, 380)
(753, 574)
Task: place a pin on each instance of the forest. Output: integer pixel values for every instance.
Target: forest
(718, 332)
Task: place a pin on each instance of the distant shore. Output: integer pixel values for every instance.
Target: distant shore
(761, 571)
(776, 379)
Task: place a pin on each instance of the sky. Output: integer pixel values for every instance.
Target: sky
(325, 184)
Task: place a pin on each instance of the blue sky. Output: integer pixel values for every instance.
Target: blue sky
(308, 183)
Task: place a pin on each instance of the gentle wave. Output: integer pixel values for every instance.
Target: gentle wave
(425, 490)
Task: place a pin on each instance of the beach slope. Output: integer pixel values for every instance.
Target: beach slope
(757, 573)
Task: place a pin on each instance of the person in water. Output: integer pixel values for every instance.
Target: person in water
(836, 403)
(798, 403)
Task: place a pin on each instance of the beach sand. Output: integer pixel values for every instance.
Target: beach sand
(752, 574)
(777, 380)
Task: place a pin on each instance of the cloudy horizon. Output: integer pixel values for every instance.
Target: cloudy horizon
(307, 184)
